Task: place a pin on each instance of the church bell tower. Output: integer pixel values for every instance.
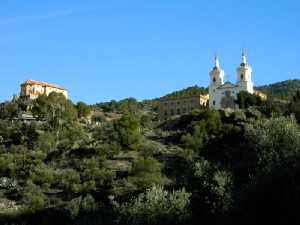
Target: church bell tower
(216, 80)
(244, 75)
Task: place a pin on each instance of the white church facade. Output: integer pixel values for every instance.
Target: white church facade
(224, 94)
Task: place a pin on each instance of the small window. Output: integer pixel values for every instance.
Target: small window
(242, 76)
(214, 79)
(214, 102)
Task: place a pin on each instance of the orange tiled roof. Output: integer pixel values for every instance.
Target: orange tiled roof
(43, 84)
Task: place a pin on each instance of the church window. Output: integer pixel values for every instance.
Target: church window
(214, 79)
(242, 76)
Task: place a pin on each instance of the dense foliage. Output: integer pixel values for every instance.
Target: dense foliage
(206, 167)
(194, 90)
(284, 89)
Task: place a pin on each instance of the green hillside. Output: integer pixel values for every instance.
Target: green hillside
(194, 90)
(283, 89)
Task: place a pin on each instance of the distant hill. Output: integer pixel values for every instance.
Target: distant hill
(194, 90)
(283, 89)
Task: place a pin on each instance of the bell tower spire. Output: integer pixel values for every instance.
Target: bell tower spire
(244, 75)
(216, 80)
(244, 58)
(217, 62)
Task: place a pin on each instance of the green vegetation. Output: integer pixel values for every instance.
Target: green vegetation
(245, 100)
(195, 90)
(207, 167)
(283, 90)
(156, 206)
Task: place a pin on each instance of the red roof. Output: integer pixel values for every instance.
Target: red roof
(43, 84)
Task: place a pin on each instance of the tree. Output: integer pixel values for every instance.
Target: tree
(197, 140)
(246, 99)
(54, 108)
(83, 109)
(272, 197)
(128, 131)
(33, 198)
(156, 206)
(94, 176)
(9, 110)
(211, 187)
(47, 141)
(207, 124)
(294, 106)
(274, 140)
(70, 180)
(146, 173)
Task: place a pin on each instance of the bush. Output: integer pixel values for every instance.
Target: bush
(33, 198)
(156, 206)
(83, 109)
(146, 173)
(128, 131)
(274, 140)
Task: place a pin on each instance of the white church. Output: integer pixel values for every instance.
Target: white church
(223, 95)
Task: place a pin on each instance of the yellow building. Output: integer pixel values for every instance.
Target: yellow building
(169, 107)
(261, 95)
(33, 89)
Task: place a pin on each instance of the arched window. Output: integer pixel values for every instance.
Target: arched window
(214, 80)
(242, 76)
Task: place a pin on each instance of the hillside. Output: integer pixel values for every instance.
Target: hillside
(194, 90)
(283, 89)
(116, 163)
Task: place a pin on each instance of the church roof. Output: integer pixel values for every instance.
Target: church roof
(43, 84)
(227, 84)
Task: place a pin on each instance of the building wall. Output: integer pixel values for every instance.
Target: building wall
(221, 93)
(169, 107)
(261, 95)
(33, 90)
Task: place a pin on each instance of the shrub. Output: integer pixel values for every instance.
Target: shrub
(156, 206)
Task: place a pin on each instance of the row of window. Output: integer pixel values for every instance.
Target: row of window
(180, 102)
(173, 112)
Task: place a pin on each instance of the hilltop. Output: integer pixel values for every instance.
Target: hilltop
(194, 90)
(117, 163)
(282, 89)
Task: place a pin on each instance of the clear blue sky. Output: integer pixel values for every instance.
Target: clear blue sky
(102, 50)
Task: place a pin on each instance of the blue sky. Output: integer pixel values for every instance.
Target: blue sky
(103, 50)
